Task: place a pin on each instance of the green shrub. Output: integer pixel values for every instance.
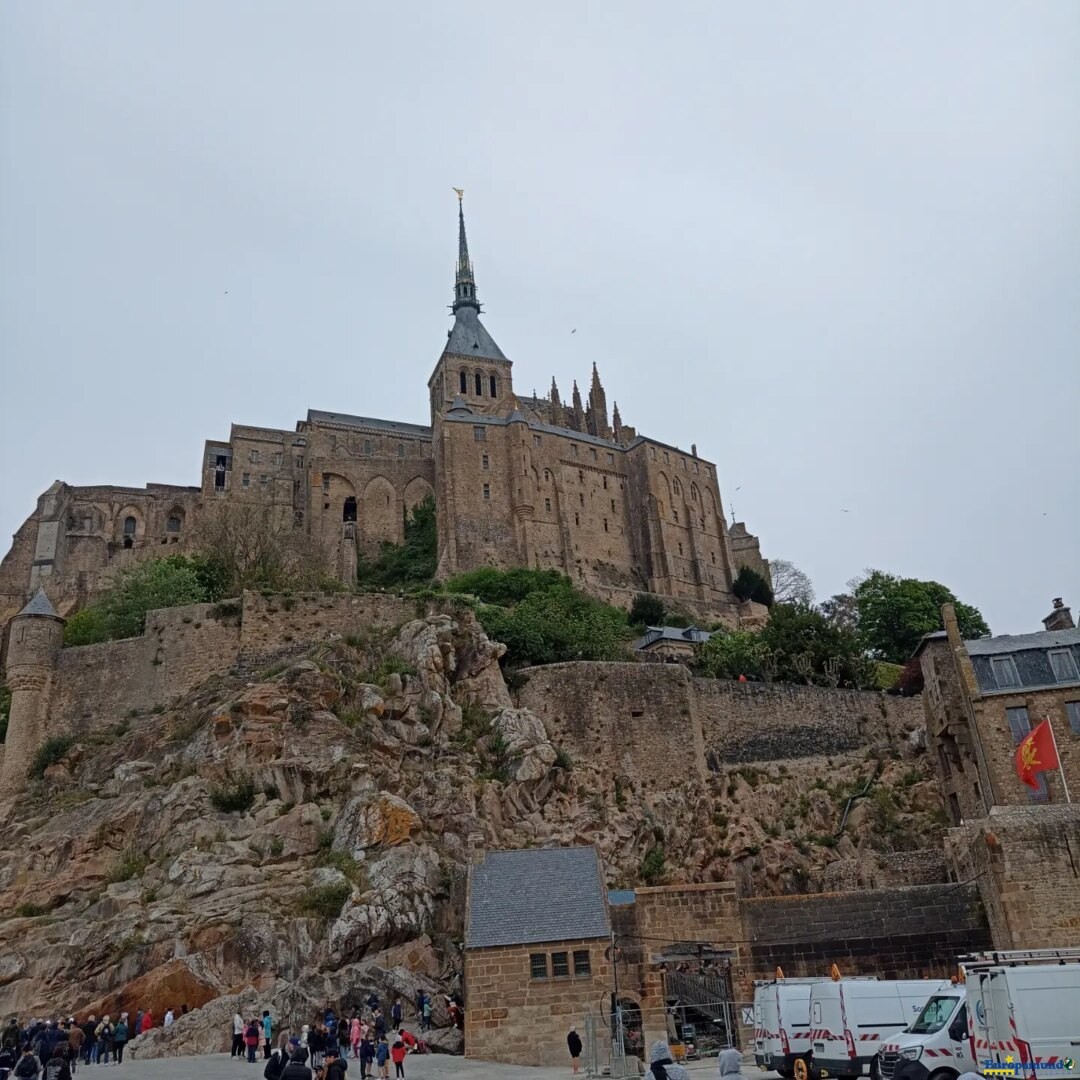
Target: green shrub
(886, 675)
(653, 866)
(647, 610)
(411, 562)
(233, 796)
(277, 845)
(506, 587)
(28, 910)
(49, 753)
(563, 760)
(131, 864)
(325, 901)
(226, 609)
(750, 585)
(326, 839)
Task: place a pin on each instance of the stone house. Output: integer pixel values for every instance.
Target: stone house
(537, 948)
(670, 642)
(983, 697)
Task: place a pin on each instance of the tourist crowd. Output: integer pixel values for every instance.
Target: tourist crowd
(44, 1049)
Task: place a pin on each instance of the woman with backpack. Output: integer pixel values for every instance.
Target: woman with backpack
(104, 1035)
(57, 1067)
(120, 1038)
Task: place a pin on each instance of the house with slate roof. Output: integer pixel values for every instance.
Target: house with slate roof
(537, 952)
(981, 699)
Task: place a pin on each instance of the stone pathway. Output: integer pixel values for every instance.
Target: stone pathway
(421, 1067)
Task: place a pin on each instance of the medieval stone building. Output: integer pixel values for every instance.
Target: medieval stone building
(517, 481)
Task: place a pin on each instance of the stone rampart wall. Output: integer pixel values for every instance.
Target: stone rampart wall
(630, 716)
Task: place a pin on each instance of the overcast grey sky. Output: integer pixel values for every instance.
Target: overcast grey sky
(835, 244)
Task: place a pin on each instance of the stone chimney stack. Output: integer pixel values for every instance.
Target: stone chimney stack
(1060, 618)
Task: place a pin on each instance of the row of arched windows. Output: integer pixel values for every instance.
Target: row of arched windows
(480, 379)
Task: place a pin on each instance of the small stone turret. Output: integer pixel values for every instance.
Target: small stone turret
(36, 637)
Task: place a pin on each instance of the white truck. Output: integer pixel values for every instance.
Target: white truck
(850, 1018)
(1017, 1011)
(782, 1024)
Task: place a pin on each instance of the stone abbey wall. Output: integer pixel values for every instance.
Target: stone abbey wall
(629, 716)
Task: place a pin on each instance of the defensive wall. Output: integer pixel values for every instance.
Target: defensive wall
(629, 716)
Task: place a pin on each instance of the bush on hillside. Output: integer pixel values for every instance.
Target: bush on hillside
(647, 610)
(49, 753)
(506, 587)
(413, 561)
(750, 585)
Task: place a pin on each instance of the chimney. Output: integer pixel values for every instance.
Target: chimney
(1060, 618)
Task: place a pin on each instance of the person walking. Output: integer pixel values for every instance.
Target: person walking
(147, 1022)
(251, 1038)
(297, 1068)
(120, 1038)
(7, 1059)
(89, 1047)
(169, 1018)
(354, 1036)
(268, 1033)
(57, 1068)
(335, 1067)
(382, 1056)
(237, 1036)
(26, 1068)
(730, 1065)
(367, 1056)
(395, 1014)
(426, 1023)
(573, 1044)
(275, 1064)
(104, 1040)
(317, 1044)
(661, 1064)
(397, 1056)
(75, 1041)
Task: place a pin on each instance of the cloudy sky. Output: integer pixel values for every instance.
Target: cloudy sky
(835, 244)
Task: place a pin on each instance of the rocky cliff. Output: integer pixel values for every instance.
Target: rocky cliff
(302, 835)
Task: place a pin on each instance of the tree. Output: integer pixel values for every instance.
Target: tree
(750, 585)
(729, 654)
(121, 612)
(647, 610)
(805, 645)
(245, 545)
(895, 613)
(841, 611)
(789, 584)
(506, 587)
(557, 624)
(412, 562)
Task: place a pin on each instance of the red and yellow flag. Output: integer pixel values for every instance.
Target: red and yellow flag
(1036, 754)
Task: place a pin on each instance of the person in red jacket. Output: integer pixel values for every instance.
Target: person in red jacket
(147, 1022)
(397, 1056)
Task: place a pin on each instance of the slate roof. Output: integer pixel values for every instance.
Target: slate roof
(318, 416)
(469, 337)
(689, 634)
(40, 605)
(1010, 643)
(541, 894)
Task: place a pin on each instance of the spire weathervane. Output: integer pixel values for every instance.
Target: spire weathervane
(464, 282)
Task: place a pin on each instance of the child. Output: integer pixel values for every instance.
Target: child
(382, 1056)
(397, 1055)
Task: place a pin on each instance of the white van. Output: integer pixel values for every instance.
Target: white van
(782, 1023)
(1025, 1011)
(939, 1039)
(849, 1018)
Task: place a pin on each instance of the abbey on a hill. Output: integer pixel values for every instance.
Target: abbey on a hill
(517, 481)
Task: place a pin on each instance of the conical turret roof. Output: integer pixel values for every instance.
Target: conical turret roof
(40, 605)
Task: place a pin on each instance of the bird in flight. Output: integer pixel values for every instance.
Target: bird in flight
(574, 331)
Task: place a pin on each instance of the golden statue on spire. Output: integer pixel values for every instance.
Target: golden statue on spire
(460, 193)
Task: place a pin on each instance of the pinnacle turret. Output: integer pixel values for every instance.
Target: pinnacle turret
(597, 411)
(464, 282)
(577, 413)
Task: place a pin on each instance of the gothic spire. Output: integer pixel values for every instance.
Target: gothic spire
(616, 423)
(555, 399)
(577, 414)
(464, 282)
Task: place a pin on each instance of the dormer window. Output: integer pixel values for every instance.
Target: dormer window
(1063, 665)
(1004, 669)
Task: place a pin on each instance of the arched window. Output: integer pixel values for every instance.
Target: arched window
(463, 382)
(694, 492)
(493, 383)
(348, 511)
(479, 379)
(678, 487)
(175, 522)
(130, 526)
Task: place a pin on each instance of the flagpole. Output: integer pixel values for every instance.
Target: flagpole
(1053, 738)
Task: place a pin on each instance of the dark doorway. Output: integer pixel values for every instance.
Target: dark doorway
(348, 512)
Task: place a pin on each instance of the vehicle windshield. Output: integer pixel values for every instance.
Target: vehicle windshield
(934, 1016)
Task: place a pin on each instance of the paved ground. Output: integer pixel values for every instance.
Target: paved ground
(421, 1067)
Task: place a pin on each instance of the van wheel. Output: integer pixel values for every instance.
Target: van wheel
(944, 1074)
